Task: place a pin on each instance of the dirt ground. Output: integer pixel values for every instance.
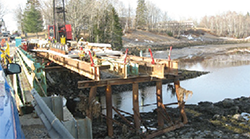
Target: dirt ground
(33, 127)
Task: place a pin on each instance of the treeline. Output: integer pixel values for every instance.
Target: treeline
(105, 21)
(97, 19)
(229, 24)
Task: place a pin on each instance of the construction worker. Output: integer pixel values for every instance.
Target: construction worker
(82, 53)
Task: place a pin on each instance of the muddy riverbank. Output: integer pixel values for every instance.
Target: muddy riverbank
(135, 48)
(228, 118)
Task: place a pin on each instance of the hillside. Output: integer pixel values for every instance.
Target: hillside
(144, 38)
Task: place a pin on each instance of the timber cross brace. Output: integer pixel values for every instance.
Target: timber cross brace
(166, 120)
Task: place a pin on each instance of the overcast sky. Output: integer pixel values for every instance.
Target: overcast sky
(9, 19)
(176, 9)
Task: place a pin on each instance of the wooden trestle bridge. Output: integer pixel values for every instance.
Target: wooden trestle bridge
(127, 69)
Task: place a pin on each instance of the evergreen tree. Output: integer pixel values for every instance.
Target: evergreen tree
(116, 31)
(108, 29)
(33, 22)
(141, 14)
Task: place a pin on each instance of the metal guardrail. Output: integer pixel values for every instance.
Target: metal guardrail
(55, 128)
(46, 109)
(50, 109)
(33, 71)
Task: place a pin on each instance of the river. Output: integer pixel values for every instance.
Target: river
(222, 82)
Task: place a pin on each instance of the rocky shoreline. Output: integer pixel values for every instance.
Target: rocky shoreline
(228, 118)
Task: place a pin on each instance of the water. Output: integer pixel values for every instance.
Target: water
(220, 83)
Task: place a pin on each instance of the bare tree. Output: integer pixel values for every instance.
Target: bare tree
(2, 13)
(154, 15)
(3, 9)
(19, 17)
(77, 15)
(229, 24)
(47, 11)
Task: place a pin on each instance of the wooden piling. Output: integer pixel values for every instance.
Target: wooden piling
(180, 101)
(92, 95)
(109, 110)
(159, 103)
(136, 107)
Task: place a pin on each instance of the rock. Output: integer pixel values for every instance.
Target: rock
(227, 103)
(107, 137)
(236, 136)
(205, 104)
(234, 110)
(217, 134)
(217, 110)
(216, 116)
(207, 132)
(247, 135)
(238, 117)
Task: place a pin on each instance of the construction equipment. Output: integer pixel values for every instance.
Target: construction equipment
(60, 29)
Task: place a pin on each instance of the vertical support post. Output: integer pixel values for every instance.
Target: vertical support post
(92, 95)
(109, 110)
(125, 71)
(180, 100)
(159, 103)
(136, 107)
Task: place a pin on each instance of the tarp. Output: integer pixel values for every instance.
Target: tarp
(10, 127)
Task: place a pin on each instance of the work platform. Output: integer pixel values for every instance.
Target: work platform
(133, 66)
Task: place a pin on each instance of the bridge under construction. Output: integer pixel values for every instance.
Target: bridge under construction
(124, 68)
